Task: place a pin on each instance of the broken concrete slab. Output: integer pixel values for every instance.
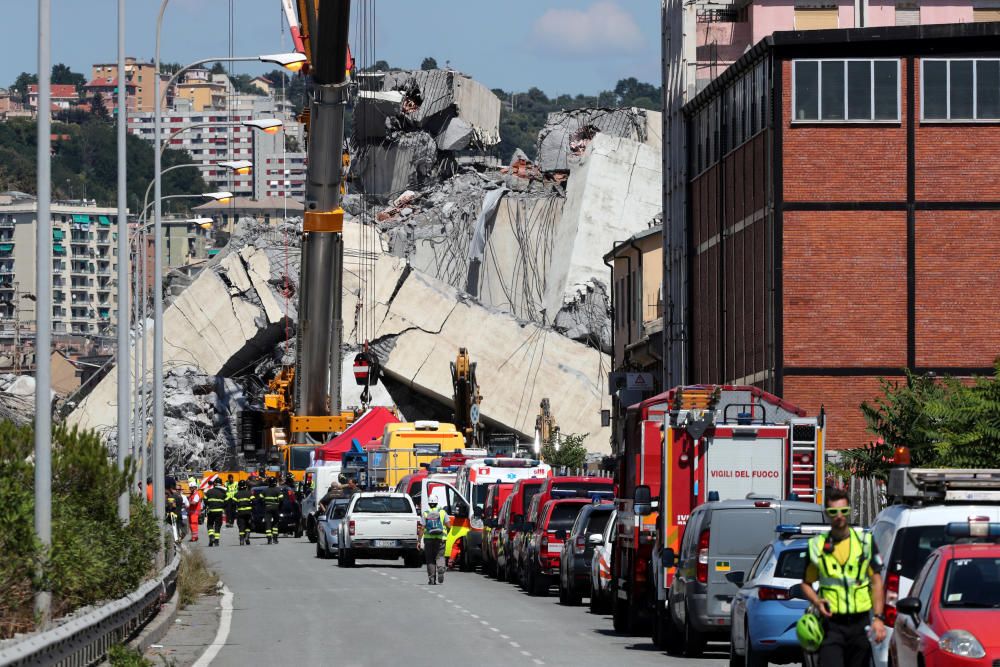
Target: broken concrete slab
(373, 113)
(614, 190)
(456, 135)
(385, 170)
(423, 322)
(568, 133)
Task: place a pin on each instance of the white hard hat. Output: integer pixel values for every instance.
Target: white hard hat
(432, 501)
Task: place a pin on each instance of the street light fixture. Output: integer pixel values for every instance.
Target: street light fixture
(241, 167)
(222, 196)
(268, 125)
(293, 61)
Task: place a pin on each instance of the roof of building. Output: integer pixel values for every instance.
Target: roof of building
(105, 81)
(937, 39)
(58, 89)
(247, 204)
(655, 230)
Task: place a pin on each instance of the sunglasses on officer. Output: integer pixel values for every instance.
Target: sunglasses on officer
(835, 511)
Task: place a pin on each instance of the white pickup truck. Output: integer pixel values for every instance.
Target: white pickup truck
(379, 525)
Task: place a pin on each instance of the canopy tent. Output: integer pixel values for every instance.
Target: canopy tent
(367, 428)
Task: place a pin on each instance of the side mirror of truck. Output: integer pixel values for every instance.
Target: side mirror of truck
(735, 577)
(595, 539)
(561, 534)
(642, 501)
(668, 558)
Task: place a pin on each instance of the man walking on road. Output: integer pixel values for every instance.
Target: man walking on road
(434, 530)
(231, 488)
(846, 564)
(273, 497)
(194, 507)
(215, 503)
(244, 511)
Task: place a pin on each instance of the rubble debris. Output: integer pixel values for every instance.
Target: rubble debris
(567, 134)
(199, 423)
(17, 398)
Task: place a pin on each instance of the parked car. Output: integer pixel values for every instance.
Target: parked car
(496, 497)
(908, 531)
(379, 525)
(764, 613)
(953, 611)
(328, 528)
(722, 537)
(544, 547)
(503, 542)
(600, 568)
(578, 551)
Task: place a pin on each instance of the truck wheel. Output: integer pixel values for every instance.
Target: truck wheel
(311, 531)
(596, 604)
(501, 573)
(538, 584)
(345, 558)
(464, 557)
(619, 613)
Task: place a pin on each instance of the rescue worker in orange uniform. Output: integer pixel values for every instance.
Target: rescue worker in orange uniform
(194, 506)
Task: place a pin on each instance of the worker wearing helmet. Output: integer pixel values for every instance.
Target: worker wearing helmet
(244, 510)
(433, 530)
(194, 498)
(273, 497)
(846, 564)
(215, 503)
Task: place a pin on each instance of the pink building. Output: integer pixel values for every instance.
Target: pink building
(107, 87)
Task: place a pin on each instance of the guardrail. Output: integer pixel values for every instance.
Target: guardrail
(85, 640)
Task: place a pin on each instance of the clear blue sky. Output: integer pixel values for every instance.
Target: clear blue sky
(560, 46)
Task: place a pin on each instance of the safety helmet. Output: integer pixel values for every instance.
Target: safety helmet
(810, 632)
(217, 481)
(272, 481)
(242, 484)
(342, 478)
(192, 481)
(289, 478)
(432, 501)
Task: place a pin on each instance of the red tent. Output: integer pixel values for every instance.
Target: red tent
(368, 427)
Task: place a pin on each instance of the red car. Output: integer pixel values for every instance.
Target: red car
(952, 616)
(544, 547)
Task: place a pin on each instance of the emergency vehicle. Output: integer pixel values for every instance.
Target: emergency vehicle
(474, 478)
(685, 447)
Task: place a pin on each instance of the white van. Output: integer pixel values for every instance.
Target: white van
(317, 481)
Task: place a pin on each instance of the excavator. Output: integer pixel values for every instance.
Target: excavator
(302, 406)
(466, 397)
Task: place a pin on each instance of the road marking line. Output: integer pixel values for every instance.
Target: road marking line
(440, 596)
(537, 661)
(494, 630)
(504, 636)
(526, 654)
(222, 634)
(448, 601)
(474, 616)
(515, 645)
(393, 578)
(484, 622)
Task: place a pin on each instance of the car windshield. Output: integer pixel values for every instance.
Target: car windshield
(972, 583)
(479, 493)
(563, 516)
(529, 492)
(383, 505)
(338, 511)
(913, 546)
(791, 564)
(580, 486)
(301, 457)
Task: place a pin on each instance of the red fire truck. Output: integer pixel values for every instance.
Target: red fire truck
(685, 447)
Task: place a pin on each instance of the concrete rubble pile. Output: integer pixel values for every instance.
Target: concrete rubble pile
(417, 126)
(529, 239)
(199, 420)
(17, 398)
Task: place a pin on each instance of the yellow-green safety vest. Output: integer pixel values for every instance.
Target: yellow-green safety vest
(846, 587)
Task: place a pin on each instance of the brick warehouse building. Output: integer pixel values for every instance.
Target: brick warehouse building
(853, 229)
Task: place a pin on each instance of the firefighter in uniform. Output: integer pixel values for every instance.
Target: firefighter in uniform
(273, 497)
(244, 510)
(215, 502)
(846, 564)
(231, 489)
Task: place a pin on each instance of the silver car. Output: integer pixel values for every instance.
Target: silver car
(328, 528)
(600, 569)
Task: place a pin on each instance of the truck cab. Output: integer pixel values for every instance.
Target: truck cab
(496, 499)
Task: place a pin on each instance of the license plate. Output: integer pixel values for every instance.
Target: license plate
(726, 606)
(385, 544)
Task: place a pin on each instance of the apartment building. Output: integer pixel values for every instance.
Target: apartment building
(844, 217)
(141, 75)
(63, 96)
(107, 88)
(84, 265)
(701, 39)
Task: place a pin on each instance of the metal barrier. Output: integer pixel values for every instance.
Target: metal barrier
(85, 640)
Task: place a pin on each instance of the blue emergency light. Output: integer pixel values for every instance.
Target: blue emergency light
(563, 493)
(790, 529)
(972, 528)
(512, 463)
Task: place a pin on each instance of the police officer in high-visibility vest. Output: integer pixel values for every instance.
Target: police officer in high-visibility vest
(244, 510)
(215, 503)
(846, 564)
(273, 497)
(434, 531)
(231, 489)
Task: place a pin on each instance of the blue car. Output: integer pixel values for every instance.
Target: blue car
(764, 612)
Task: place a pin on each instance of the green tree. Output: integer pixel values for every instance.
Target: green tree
(63, 75)
(97, 107)
(20, 85)
(218, 68)
(565, 450)
(429, 63)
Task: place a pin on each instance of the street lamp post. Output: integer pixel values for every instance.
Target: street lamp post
(292, 61)
(123, 329)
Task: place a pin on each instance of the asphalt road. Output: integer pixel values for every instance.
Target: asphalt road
(293, 608)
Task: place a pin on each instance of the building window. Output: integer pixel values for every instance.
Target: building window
(960, 89)
(907, 13)
(845, 90)
(816, 18)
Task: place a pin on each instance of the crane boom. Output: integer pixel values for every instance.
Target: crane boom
(320, 331)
